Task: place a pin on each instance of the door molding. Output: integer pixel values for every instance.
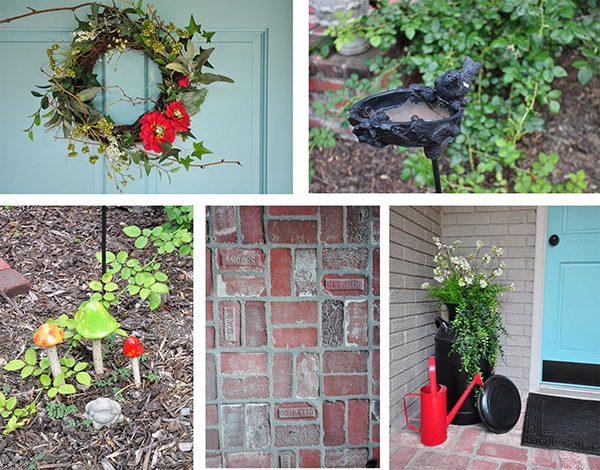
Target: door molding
(535, 384)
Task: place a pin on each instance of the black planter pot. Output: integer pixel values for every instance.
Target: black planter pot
(447, 373)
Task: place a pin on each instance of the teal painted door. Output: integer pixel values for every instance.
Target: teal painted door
(249, 121)
(571, 315)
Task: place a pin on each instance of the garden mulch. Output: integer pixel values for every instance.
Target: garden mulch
(55, 249)
(574, 134)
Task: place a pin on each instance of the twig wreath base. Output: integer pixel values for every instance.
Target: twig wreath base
(67, 102)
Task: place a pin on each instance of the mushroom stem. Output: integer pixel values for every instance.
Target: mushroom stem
(135, 366)
(54, 361)
(97, 356)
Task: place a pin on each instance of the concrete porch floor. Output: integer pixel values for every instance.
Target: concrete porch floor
(474, 447)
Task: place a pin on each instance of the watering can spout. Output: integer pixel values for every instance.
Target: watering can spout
(476, 380)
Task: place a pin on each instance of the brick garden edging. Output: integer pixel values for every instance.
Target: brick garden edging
(12, 283)
(292, 334)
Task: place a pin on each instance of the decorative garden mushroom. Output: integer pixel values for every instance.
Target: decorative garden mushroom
(94, 322)
(48, 336)
(133, 348)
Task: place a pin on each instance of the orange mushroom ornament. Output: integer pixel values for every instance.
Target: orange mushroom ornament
(48, 336)
(133, 349)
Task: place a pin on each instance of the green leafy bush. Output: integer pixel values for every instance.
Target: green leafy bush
(518, 42)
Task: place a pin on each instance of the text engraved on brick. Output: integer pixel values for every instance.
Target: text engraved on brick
(229, 323)
(298, 412)
(344, 284)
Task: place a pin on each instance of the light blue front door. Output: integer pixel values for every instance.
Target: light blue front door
(571, 315)
(249, 121)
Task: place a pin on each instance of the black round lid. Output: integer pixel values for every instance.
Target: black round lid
(499, 404)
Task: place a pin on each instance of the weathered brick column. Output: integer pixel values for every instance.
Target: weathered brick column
(292, 333)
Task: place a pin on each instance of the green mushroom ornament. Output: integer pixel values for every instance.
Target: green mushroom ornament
(94, 322)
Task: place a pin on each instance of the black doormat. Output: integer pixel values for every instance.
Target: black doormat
(562, 423)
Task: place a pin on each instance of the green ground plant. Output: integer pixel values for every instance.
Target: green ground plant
(518, 42)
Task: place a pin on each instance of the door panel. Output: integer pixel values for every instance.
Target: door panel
(249, 121)
(571, 313)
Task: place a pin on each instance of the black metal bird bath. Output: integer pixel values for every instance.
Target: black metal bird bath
(417, 116)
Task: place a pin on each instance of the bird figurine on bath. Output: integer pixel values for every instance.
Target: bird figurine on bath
(451, 87)
(417, 116)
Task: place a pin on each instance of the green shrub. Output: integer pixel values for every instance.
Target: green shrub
(518, 43)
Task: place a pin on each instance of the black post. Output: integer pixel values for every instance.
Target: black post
(436, 175)
(103, 240)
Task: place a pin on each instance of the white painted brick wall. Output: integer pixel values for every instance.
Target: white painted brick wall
(411, 315)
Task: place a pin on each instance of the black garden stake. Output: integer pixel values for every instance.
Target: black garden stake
(417, 116)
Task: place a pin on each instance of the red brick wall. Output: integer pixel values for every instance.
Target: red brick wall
(292, 334)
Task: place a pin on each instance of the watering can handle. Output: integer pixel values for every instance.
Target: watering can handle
(432, 377)
(410, 426)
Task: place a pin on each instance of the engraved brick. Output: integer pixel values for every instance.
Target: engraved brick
(229, 324)
(345, 285)
(292, 231)
(302, 312)
(297, 435)
(255, 327)
(258, 426)
(295, 337)
(305, 272)
(347, 458)
(357, 224)
(332, 323)
(249, 387)
(332, 220)
(357, 323)
(296, 411)
(252, 224)
(307, 375)
(243, 363)
(358, 422)
(224, 224)
(333, 423)
(281, 272)
(286, 459)
(241, 259)
(334, 259)
(233, 285)
(282, 375)
(232, 426)
(344, 385)
(345, 362)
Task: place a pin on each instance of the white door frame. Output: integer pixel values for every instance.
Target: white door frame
(535, 384)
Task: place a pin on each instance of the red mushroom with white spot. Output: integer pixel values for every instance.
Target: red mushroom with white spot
(48, 336)
(133, 349)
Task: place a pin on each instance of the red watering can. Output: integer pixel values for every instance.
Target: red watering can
(434, 422)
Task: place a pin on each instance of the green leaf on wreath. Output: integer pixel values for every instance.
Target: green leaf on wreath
(199, 150)
(89, 93)
(192, 100)
(193, 27)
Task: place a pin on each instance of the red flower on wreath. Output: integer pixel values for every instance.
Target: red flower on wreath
(183, 82)
(156, 130)
(178, 115)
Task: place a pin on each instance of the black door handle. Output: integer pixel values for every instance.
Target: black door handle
(554, 240)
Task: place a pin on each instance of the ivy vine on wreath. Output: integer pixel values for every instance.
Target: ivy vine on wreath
(67, 102)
